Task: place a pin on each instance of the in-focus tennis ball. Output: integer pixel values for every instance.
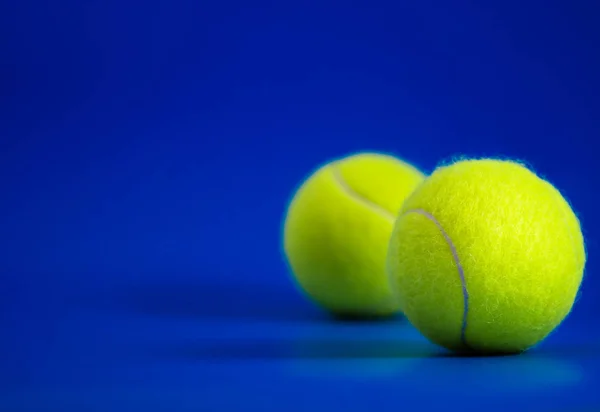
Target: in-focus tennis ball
(486, 257)
(337, 231)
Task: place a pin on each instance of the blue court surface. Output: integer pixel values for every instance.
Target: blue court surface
(183, 345)
(148, 153)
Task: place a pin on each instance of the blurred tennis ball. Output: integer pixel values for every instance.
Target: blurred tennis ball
(337, 230)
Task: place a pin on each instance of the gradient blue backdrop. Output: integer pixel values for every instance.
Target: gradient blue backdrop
(147, 153)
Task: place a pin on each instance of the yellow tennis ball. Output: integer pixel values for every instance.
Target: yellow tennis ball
(486, 257)
(337, 230)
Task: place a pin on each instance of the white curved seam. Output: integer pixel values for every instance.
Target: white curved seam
(337, 175)
(461, 271)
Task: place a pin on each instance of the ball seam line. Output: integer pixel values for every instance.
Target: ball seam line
(461, 272)
(337, 175)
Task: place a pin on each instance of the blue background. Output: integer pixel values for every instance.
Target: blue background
(148, 151)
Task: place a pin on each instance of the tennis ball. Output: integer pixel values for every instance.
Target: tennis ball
(486, 257)
(337, 230)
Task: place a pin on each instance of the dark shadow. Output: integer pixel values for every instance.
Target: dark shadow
(358, 319)
(588, 351)
(296, 349)
(333, 349)
(448, 354)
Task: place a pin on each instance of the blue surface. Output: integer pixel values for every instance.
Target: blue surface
(148, 151)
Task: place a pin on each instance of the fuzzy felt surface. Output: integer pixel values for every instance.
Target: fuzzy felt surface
(486, 256)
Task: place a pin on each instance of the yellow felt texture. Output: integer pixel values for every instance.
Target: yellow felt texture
(337, 231)
(519, 245)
